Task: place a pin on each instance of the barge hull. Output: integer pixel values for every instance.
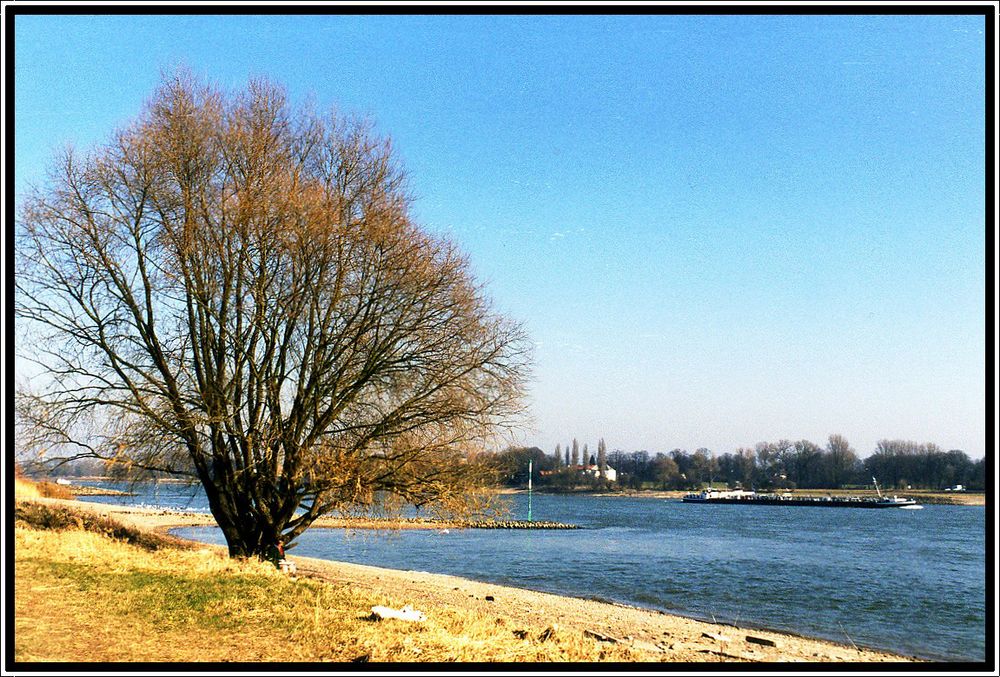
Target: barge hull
(834, 503)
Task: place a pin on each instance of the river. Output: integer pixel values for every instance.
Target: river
(909, 581)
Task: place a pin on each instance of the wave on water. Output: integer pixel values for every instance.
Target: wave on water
(617, 530)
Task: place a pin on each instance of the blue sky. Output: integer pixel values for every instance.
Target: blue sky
(717, 230)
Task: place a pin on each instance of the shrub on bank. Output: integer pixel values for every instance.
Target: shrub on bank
(53, 490)
(46, 517)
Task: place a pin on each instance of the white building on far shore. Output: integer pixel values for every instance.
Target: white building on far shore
(611, 474)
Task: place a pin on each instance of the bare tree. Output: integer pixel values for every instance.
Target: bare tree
(576, 453)
(233, 289)
(843, 461)
(602, 459)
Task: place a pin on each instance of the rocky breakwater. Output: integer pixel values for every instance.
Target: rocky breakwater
(390, 523)
(515, 524)
(81, 490)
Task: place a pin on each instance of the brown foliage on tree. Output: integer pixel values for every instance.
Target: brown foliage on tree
(233, 289)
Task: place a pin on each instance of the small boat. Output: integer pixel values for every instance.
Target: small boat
(895, 501)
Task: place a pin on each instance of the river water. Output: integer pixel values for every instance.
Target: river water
(910, 581)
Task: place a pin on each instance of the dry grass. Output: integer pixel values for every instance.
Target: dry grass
(23, 489)
(27, 489)
(76, 590)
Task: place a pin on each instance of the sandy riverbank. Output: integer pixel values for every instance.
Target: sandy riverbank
(652, 634)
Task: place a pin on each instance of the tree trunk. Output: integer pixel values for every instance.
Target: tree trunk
(246, 535)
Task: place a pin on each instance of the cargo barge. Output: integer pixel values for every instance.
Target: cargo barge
(740, 497)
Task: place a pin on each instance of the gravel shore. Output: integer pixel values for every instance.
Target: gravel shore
(655, 635)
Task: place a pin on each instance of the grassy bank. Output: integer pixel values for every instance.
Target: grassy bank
(76, 590)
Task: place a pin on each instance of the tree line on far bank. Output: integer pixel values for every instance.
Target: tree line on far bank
(896, 464)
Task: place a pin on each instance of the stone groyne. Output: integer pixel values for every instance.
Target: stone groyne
(515, 524)
(357, 522)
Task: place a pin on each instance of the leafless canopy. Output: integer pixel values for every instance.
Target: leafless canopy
(233, 288)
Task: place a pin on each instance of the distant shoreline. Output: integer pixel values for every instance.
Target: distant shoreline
(925, 496)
